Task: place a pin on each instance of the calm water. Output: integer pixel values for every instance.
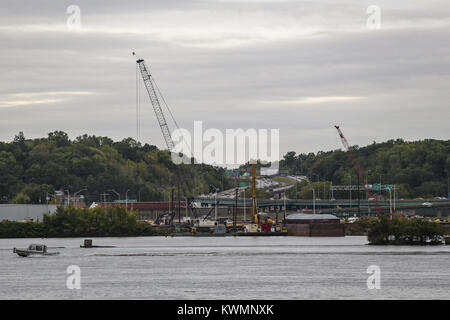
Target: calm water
(225, 268)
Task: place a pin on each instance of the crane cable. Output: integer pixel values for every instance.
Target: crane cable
(170, 112)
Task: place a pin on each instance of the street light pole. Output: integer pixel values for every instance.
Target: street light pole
(118, 194)
(380, 185)
(448, 185)
(47, 198)
(390, 201)
(77, 193)
(215, 205)
(394, 197)
(318, 180)
(126, 200)
(350, 176)
(68, 197)
(314, 201)
(186, 208)
(318, 184)
(245, 207)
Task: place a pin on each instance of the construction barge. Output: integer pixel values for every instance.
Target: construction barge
(260, 225)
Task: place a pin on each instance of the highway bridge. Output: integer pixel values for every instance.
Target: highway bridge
(335, 206)
(338, 207)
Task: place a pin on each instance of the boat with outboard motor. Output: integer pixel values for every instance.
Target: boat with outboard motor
(34, 249)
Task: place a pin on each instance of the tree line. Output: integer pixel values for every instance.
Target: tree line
(31, 169)
(81, 222)
(418, 169)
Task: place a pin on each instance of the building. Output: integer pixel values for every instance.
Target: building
(314, 225)
(25, 212)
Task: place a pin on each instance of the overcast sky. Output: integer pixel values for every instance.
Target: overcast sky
(297, 66)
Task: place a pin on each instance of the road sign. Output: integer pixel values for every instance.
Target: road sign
(377, 187)
(388, 186)
(232, 172)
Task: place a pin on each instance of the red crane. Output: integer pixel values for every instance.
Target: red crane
(357, 168)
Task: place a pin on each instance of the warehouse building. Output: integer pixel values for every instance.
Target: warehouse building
(314, 225)
(25, 212)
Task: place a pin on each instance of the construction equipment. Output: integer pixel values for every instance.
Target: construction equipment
(254, 205)
(357, 168)
(208, 215)
(154, 99)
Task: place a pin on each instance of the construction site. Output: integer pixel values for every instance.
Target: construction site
(232, 212)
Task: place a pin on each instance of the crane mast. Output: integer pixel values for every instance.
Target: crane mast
(148, 81)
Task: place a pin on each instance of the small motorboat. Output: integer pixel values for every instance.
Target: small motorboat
(34, 249)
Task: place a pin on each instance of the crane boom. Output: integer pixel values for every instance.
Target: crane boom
(148, 81)
(356, 165)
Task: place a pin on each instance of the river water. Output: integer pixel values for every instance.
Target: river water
(225, 268)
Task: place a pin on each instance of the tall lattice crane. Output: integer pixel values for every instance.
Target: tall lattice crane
(154, 99)
(151, 87)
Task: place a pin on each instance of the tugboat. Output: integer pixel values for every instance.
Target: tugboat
(34, 249)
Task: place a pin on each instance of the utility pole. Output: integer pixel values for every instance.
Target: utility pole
(318, 184)
(350, 190)
(68, 197)
(314, 201)
(104, 196)
(390, 201)
(186, 207)
(448, 185)
(47, 198)
(380, 185)
(254, 206)
(172, 209)
(215, 204)
(179, 204)
(331, 189)
(244, 206)
(235, 209)
(284, 209)
(126, 200)
(394, 197)
(324, 193)
(359, 201)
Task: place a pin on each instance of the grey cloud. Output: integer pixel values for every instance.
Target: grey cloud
(401, 70)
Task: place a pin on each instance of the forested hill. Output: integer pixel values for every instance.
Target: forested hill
(419, 168)
(31, 168)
